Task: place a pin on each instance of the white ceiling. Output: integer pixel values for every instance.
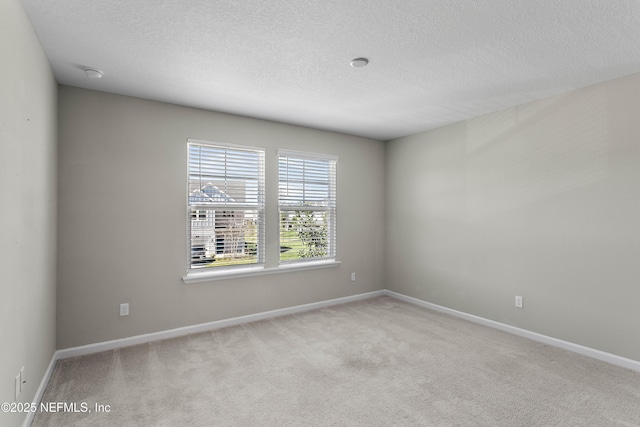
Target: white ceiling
(432, 62)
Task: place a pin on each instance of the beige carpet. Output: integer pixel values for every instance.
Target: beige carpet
(378, 362)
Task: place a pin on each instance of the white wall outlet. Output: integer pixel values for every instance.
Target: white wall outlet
(519, 302)
(353, 277)
(23, 379)
(124, 309)
(17, 384)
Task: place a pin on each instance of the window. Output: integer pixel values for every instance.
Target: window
(307, 201)
(226, 205)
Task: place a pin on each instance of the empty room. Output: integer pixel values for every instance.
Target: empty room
(281, 213)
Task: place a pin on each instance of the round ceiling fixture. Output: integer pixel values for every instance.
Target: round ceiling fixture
(359, 62)
(92, 73)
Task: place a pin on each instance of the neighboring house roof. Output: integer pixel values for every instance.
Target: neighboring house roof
(209, 193)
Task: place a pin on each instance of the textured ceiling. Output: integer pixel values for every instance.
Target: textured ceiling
(432, 62)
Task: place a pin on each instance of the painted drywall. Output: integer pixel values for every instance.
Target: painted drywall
(540, 201)
(28, 207)
(122, 218)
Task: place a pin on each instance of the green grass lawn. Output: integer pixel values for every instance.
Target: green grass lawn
(291, 240)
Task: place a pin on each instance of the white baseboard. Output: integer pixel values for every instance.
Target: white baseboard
(204, 327)
(41, 388)
(555, 342)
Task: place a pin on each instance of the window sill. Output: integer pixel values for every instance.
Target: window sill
(209, 276)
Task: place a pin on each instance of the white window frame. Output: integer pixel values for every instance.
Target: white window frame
(286, 206)
(258, 205)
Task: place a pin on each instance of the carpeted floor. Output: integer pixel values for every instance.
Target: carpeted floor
(378, 362)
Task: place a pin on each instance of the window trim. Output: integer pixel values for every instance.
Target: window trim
(198, 276)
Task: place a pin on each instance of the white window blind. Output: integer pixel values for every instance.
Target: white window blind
(225, 205)
(307, 203)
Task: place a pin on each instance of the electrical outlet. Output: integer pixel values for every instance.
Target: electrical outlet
(124, 309)
(17, 384)
(519, 302)
(353, 277)
(23, 379)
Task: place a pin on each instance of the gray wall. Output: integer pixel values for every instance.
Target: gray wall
(542, 201)
(28, 207)
(122, 218)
